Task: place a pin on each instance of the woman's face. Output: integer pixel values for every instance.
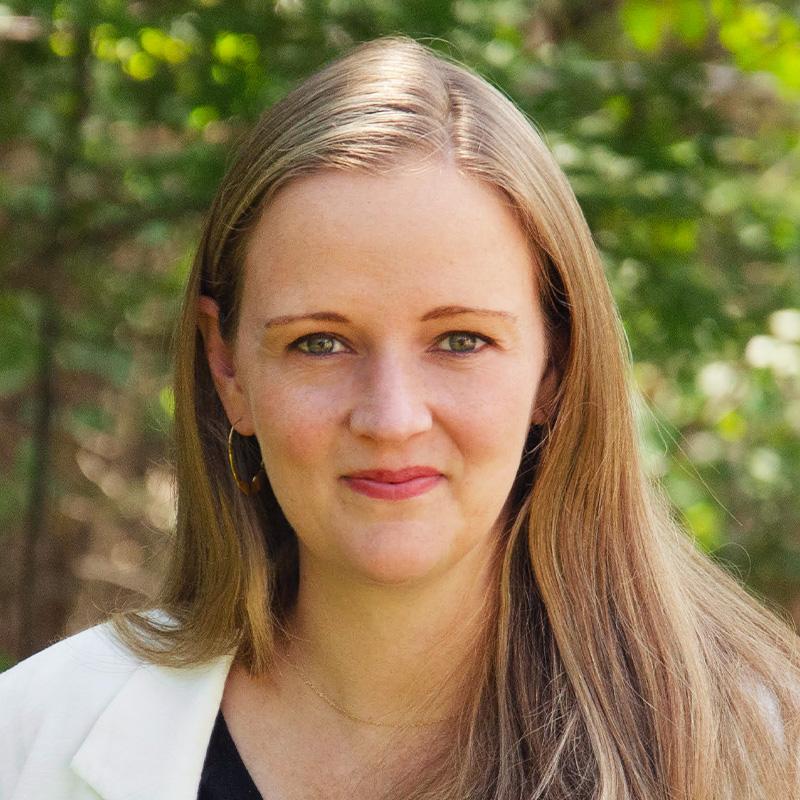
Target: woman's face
(387, 322)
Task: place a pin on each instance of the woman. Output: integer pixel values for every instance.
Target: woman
(416, 552)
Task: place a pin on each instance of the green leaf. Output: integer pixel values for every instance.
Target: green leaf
(645, 23)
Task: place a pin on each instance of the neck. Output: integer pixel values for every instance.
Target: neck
(394, 654)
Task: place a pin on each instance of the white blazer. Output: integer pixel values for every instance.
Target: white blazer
(84, 719)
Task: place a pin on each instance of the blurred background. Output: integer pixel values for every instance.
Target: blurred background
(677, 123)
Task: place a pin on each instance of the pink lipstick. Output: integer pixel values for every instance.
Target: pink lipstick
(383, 484)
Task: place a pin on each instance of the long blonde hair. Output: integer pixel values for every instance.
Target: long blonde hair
(620, 661)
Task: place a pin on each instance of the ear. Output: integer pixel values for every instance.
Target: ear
(222, 367)
(544, 402)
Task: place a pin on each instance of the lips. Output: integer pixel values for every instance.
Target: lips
(389, 484)
(394, 476)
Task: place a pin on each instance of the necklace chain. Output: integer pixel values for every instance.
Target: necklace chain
(333, 704)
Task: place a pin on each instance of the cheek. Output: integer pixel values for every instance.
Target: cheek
(493, 419)
(293, 422)
(491, 432)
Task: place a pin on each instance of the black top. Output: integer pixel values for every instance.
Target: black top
(224, 775)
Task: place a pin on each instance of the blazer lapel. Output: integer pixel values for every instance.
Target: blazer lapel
(150, 741)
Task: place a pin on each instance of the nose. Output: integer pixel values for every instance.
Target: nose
(390, 403)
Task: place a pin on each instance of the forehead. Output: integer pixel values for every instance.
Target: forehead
(412, 234)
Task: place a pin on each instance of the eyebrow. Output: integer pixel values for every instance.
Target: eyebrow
(436, 313)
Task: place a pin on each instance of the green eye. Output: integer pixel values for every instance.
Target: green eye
(316, 344)
(463, 342)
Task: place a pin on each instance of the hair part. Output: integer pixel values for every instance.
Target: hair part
(620, 662)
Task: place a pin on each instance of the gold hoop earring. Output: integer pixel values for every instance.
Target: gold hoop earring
(253, 486)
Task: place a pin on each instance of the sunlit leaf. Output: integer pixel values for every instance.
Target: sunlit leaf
(645, 23)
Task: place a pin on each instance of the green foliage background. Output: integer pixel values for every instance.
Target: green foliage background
(676, 122)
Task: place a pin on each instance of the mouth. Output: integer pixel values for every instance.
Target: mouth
(394, 475)
(394, 484)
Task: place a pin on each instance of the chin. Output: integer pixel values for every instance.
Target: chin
(389, 560)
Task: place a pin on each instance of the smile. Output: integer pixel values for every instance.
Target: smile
(381, 490)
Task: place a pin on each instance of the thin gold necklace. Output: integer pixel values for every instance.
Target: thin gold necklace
(333, 704)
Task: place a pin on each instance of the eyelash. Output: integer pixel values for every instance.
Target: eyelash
(295, 345)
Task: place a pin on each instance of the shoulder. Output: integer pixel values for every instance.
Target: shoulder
(89, 660)
(51, 700)
(62, 686)
(75, 672)
(778, 703)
